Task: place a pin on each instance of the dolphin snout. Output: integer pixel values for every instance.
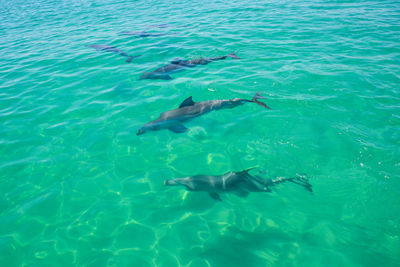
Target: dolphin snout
(140, 131)
(169, 182)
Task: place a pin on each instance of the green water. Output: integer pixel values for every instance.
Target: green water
(78, 187)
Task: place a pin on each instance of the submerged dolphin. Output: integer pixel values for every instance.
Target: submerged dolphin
(188, 109)
(113, 49)
(163, 25)
(144, 34)
(240, 183)
(162, 72)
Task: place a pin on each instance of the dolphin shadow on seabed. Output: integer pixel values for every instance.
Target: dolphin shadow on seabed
(240, 183)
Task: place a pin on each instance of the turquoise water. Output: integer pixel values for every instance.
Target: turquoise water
(78, 187)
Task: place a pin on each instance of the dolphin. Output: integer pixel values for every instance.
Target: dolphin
(163, 25)
(172, 119)
(113, 49)
(240, 183)
(178, 64)
(144, 34)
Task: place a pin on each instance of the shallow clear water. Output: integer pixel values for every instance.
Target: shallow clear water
(78, 187)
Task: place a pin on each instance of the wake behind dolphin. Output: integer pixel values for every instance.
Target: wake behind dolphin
(112, 49)
(179, 64)
(240, 183)
(172, 119)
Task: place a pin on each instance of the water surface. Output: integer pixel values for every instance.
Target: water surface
(78, 187)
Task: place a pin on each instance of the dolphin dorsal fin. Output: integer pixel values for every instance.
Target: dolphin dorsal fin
(176, 61)
(187, 102)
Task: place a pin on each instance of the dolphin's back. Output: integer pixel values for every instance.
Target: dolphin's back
(206, 182)
(168, 68)
(188, 112)
(225, 182)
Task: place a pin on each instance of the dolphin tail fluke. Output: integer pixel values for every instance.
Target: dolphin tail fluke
(233, 55)
(129, 59)
(303, 181)
(255, 100)
(300, 180)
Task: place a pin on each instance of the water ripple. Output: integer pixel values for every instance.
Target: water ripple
(80, 188)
